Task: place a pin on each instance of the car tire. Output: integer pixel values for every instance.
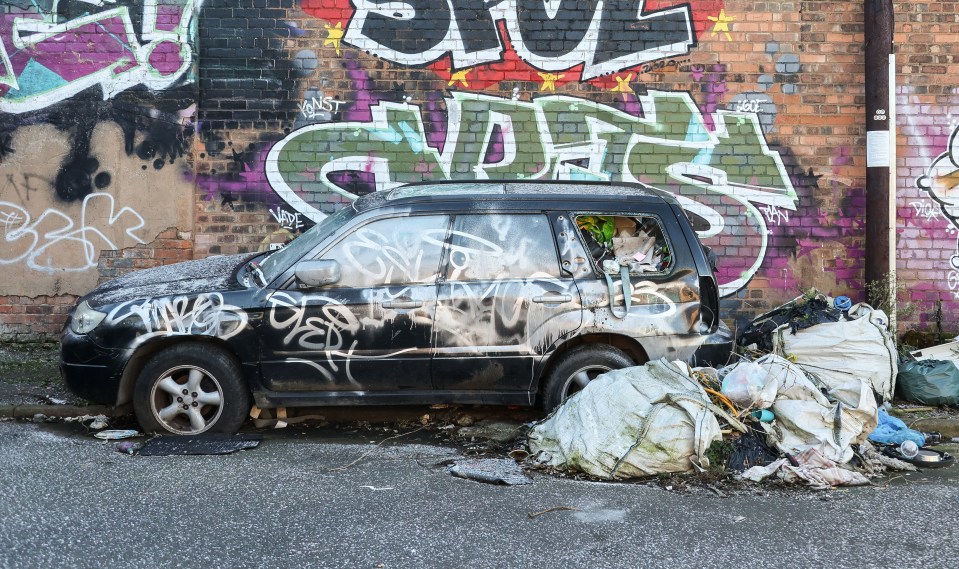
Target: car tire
(577, 368)
(188, 389)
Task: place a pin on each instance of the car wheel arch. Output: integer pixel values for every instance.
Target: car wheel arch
(631, 346)
(141, 357)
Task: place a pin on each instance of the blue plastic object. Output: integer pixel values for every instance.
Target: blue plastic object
(892, 431)
(842, 303)
(763, 415)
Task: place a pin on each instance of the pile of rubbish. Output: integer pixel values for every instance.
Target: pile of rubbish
(803, 403)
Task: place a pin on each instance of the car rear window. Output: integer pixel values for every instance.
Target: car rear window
(634, 241)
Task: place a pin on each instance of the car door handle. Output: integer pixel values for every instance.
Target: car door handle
(553, 298)
(402, 304)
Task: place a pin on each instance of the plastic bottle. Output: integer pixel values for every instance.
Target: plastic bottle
(909, 449)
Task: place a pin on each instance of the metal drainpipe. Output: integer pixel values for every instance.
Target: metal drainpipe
(880, 150)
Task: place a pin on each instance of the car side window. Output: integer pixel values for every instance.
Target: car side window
(501, 246)
(634, 241)
(393, 251)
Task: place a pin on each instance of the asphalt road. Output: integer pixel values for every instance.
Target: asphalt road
(69, 500)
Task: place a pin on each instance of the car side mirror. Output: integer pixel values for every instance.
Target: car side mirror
(314, 274)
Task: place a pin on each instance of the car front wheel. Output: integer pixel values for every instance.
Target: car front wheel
(577, 368)
(190, 389)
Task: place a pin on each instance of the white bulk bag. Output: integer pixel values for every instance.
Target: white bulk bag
(806, 418)
(861, 347)
(631, 422)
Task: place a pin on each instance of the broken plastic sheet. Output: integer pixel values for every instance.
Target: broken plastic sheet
(491, 470)
(806, 417)
(631, 422)
(813, 469)
(860, 347)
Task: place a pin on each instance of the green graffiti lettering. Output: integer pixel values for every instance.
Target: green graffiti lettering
(551, 137)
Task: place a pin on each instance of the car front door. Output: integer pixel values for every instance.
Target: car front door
(369, 331)
(502, 302)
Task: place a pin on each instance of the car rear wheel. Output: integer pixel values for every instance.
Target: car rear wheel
(190, 389)
(577, 368)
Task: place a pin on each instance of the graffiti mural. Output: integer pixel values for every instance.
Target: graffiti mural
(941, 183)
(520, 39)
(712, 171)
(55, 241)
(46, 57)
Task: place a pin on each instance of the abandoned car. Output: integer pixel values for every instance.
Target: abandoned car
(475, 293)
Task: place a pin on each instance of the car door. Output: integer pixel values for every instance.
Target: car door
(502, 302)
(369, 331)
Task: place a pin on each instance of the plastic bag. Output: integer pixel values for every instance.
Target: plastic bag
(892, 431)
(929, 382)
(746, 386)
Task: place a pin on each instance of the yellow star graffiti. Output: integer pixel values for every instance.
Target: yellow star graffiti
(549, 80)
(722, 24)
(622, 85)
(333, 36)
(458, 76)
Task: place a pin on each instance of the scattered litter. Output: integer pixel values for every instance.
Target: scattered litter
(812, 468)
(892, 431)
(491, 430)
(127, 447)
(746, 386)
(810, 413)
(39, 418)
(924, 457)
(278, 418)
(738, 519)
(929, 382)
(55, 400)
(532, 515)
(95, 422)
(115, 435)
(491, 470)
(902, 409)
(375, 489)
(205, 444)
(716, 491)
(751, 450)
(518, 454)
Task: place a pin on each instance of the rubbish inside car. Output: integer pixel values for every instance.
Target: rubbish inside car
(510, 293)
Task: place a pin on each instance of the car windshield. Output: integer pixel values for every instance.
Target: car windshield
(275, 264)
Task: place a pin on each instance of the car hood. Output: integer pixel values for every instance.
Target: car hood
(205, 275)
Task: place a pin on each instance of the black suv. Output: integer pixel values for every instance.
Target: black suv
(474, 293)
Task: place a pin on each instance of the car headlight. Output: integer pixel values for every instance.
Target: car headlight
(85, 318)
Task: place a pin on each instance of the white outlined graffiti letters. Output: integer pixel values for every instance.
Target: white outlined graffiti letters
(205, 315)
(36, 71)
(551, 137)
(55, 241)
(551, 35)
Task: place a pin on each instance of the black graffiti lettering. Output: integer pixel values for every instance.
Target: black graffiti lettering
(550, 34)
(625, 32)
(413, 30)
(476, 25)
(554, 33)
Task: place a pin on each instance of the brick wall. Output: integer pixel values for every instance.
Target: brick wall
(267, 114)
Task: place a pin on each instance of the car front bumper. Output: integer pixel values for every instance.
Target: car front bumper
(90, 371)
